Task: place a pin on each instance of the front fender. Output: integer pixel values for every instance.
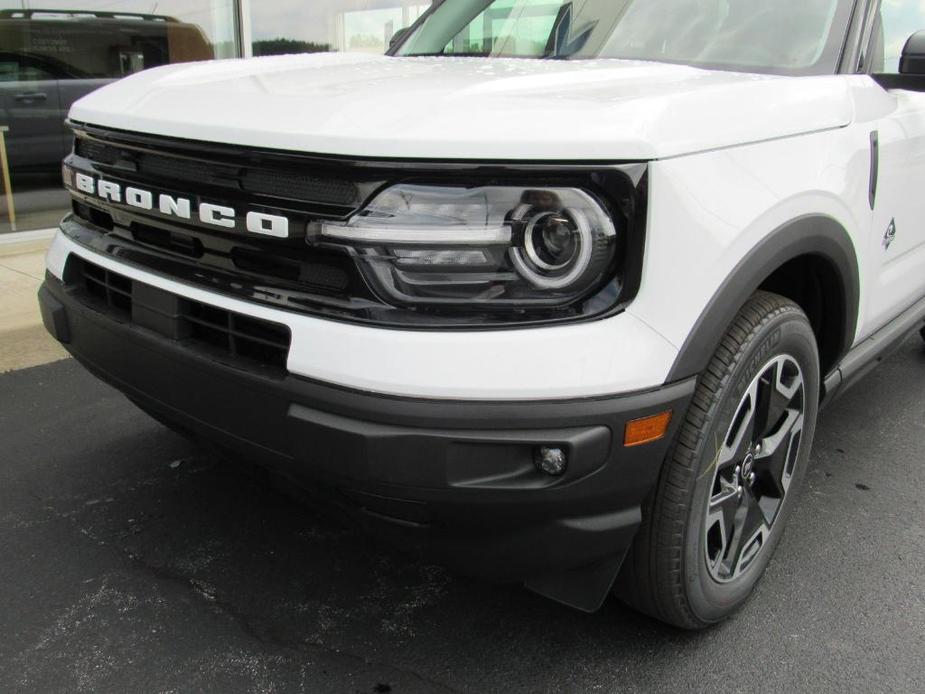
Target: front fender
(721, 222)
(813, 235)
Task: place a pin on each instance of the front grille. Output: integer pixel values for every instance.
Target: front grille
(293, 273)
(279, 182)
(228, 335)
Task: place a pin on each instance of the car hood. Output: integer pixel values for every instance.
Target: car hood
(467, 108)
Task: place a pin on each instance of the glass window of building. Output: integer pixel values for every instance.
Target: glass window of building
(52, 56)
(310, 26)
(55, 51)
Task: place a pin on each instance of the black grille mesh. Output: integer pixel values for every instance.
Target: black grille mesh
(280, 183)
(96, 151)
(180, 169)
(299, 187)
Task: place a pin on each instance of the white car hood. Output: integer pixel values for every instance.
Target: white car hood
(467, 108)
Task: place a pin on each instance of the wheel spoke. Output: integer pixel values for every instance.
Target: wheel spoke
(773, 462)
(741, 434)
(765, 395)
(721, 519)
(778, 404)
(750, 535)
(775, 396)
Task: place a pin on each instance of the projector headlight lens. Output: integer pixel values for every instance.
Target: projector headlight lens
(491, 247)
(558, 247)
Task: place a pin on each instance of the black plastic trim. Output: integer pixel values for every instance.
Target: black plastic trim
(874, 168)
(453, 478)
(54, 316)
(912, 61)
(867, 354)
(909, 83)
(811, 235)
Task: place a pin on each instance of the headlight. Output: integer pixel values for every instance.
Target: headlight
(490, 247)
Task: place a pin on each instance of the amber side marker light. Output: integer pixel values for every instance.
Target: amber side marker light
(646, 430)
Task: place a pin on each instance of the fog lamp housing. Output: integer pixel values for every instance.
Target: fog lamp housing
(550, 460)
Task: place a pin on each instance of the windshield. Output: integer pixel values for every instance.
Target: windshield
(782, 36)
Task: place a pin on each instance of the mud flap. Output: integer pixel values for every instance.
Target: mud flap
(584, 589)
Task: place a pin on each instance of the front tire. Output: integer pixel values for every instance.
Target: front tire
(727, 487)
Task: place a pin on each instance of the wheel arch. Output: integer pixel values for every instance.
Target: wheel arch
(810, 260)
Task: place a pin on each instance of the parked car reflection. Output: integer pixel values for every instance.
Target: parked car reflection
(51, 59)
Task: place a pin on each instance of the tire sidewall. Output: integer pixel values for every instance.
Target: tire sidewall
(789, 333)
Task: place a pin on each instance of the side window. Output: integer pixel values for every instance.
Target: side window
(899, 19)
(508, 27)
(9, 70)
(14, 70)
(33, 73)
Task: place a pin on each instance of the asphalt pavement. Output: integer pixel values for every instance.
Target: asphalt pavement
(132, 562)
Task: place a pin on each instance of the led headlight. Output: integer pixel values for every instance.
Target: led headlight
(491, 247)
(560, 244)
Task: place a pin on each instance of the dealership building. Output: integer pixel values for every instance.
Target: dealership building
(52, 52)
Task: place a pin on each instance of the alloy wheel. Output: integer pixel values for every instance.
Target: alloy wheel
(753, 468)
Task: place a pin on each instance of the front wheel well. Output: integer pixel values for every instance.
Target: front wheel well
(813, 262)
(813, 283)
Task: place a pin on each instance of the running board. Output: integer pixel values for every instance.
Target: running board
(866, 355)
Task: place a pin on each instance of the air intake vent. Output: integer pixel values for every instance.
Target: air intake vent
(229, 336)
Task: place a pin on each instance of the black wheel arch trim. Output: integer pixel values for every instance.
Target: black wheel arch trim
(811, 235)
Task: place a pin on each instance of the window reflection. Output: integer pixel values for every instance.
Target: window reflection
(356, 26)
(50, 58)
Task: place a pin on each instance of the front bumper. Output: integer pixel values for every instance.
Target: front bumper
(455, 478)
(619, 354)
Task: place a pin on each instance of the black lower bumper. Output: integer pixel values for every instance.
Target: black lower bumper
(454, 478)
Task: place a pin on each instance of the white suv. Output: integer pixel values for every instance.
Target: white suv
(555, 290)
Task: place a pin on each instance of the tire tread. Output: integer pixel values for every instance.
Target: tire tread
(651, 580)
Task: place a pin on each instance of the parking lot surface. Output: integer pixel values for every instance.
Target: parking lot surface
(130, 561)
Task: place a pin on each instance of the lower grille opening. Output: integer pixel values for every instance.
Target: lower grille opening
(225, 334)
(109, 287)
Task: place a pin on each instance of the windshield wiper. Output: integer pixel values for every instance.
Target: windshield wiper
(561, 44)
(558, 38)
(441, 54)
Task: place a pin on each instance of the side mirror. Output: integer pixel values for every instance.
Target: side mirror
(911, 76)
(912, 61)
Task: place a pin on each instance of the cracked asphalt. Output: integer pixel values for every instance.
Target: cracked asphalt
(131, 561)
